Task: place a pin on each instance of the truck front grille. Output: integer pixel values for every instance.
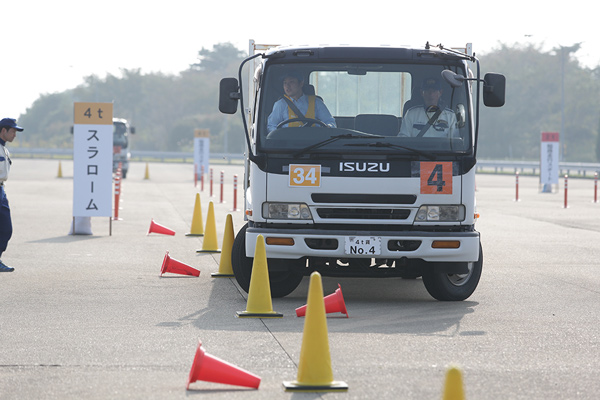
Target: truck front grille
(363, 213)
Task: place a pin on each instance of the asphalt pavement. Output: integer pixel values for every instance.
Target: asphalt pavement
(88, 316)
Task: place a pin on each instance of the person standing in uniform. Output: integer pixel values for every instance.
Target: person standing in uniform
(8, 132)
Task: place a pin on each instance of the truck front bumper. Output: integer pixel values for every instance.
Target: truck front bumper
(428, 246)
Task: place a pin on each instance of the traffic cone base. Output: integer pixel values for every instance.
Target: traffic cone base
(158, 228)
(246, 314)
(259, 303)
(225, 268)
(335, 386)
(220, 275)
(177, 267)
(209, 244)
(212, 369)
(333, 303)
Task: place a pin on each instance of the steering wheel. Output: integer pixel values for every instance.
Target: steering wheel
(307, 122)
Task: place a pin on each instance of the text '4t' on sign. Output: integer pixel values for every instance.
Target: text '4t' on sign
(93, 113)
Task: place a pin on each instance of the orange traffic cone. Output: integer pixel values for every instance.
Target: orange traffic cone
(158, 228)
(333, 303)
(212, 369)
(177, 267)
(314, 369)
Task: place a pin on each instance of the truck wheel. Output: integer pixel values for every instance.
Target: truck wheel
(283, 281)
(454, 287)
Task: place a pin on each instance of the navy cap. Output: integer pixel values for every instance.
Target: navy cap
(10, 123)
(431, 83)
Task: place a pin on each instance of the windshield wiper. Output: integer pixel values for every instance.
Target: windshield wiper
(333, 139)
(393, 146)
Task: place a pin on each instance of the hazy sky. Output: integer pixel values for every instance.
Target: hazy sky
(49, 46)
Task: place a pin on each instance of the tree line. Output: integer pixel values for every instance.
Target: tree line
(165, 109)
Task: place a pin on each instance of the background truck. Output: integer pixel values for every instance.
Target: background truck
(121, 153)
(360, 199)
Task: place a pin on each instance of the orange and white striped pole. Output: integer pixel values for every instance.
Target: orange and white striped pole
(566, 180)
(235, 177)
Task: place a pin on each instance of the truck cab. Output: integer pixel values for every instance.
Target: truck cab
(121, 153)
(373, 191)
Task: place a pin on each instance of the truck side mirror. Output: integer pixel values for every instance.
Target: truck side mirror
(494, 86)
(132, 130)
(228, 95)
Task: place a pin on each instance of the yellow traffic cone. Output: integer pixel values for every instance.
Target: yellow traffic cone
(147, 173)
(196, 228)
(225, 269)
(209, 244)
(59, 175)
(453, 389)
(259, 295)
(314, 370)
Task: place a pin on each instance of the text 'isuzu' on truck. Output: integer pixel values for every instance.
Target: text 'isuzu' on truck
(360, 161)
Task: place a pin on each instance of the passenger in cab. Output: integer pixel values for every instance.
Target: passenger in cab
(310, 106)
(432, 118)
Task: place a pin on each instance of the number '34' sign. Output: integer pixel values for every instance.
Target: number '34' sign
(305, 175)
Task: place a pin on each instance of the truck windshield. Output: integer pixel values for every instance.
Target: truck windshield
(371, 108)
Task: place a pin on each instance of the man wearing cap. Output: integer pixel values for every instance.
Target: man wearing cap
(8, 132)
(294, 100)
(431, 119)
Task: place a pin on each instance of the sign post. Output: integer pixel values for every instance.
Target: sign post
(201, 151)
(92, 160)
(549, 161)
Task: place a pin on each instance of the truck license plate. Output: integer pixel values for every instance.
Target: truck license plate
(363, 245)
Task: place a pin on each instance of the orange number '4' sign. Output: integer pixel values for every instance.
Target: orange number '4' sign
(436, 177)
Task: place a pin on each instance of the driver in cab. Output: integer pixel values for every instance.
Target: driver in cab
(295, 101)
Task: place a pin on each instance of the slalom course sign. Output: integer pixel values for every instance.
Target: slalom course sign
(92, 159)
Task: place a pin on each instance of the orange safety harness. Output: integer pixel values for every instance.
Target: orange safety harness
(310, 113)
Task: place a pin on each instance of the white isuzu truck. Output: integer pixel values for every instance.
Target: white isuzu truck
(375, 190)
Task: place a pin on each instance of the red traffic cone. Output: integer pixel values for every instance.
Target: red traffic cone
(333, 303)
(158, 228)
(177, 267)
(212, 369)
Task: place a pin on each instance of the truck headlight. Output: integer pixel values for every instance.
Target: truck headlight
(440, 213)
(286, 211)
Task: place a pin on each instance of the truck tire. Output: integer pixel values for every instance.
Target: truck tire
(282, 282)
(453, 287)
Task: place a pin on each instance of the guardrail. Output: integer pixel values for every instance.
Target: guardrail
(136, 155)
(483, 166)
(533, 167)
